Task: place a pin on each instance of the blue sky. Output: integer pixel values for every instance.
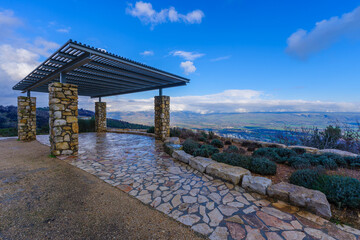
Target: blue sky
(242, 55)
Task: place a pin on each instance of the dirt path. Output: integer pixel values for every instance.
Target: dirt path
(46, 198)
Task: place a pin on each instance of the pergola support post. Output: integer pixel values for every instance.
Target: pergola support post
(63, 119)
(26, 118)
(162, 117)
(100, 116)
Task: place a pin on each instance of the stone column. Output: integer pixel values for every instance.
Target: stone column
(26, 118)
(100, 116)
(162, 117)
(63, 118)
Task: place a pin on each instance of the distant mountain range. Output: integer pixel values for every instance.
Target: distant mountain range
(273, 120)
(259, 126)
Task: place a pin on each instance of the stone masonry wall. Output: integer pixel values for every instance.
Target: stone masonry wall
(162, 117)
(100, 116)
(63, 119)
(26, 118)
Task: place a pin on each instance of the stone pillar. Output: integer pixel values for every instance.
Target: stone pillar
(26, 118)
(162, 117)
(100, 116)
(63, 118)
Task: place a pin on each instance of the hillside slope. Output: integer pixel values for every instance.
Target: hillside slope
(8, 121)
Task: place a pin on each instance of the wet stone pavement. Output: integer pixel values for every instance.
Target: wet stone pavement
(136, 165)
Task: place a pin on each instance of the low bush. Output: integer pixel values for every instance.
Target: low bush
(228, 142)
(269, 153)
(205, 151)
(217, 143)
(175, 132)
(251, 144)
(305, 177)
(338, 159)
(299, 162)
(299, 150)
(211, 135)
(263, 166)
(352, 162)
(202, 139)
(340, 190)
(234, 149)
(285, 153)
(233, 159)
(190, 146)
(355, 163)
(151, 130)
(314, 160)
(328, 163)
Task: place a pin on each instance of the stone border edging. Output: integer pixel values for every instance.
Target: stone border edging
(312, 200)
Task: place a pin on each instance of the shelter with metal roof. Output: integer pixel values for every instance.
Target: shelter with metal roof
(97, 73)
(79, 69)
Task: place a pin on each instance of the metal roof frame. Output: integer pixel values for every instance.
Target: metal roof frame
(97, 73)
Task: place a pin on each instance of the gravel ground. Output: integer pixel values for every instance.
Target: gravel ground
(46, 198)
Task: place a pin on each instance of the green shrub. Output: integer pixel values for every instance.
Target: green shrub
(86, 125)
(202, 139)
(269, 153)
(232, 159)
(285, 153)
(316, 160)
(263, 166)
(251, 144)
(234, 149)
(299, 162)
(305, 177)
(217, 143)
(349, 160)
(205, 151)
(299, 150)
(339, 160)
(352, 162)
(228, 142)
(211, 135)
(190, 146)
(151, 130)
(204, 134)
(340, 190)
(355, 163)
(175, 132)
(328, 163)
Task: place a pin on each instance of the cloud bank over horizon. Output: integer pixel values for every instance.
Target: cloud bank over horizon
(231, 101)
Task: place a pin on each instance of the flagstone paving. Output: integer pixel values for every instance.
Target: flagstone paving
(137, 165)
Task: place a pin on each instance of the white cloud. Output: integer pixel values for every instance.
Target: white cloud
(64, 30)
(18, 56)
(188, 67)
(16, 63)
(147, 53)
(145, 12)
(191, 56)
(326, 32)
(234, 100)
(7, 18)
(220, 58)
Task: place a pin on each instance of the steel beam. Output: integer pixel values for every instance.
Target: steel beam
(83, 59)
(137, 90)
